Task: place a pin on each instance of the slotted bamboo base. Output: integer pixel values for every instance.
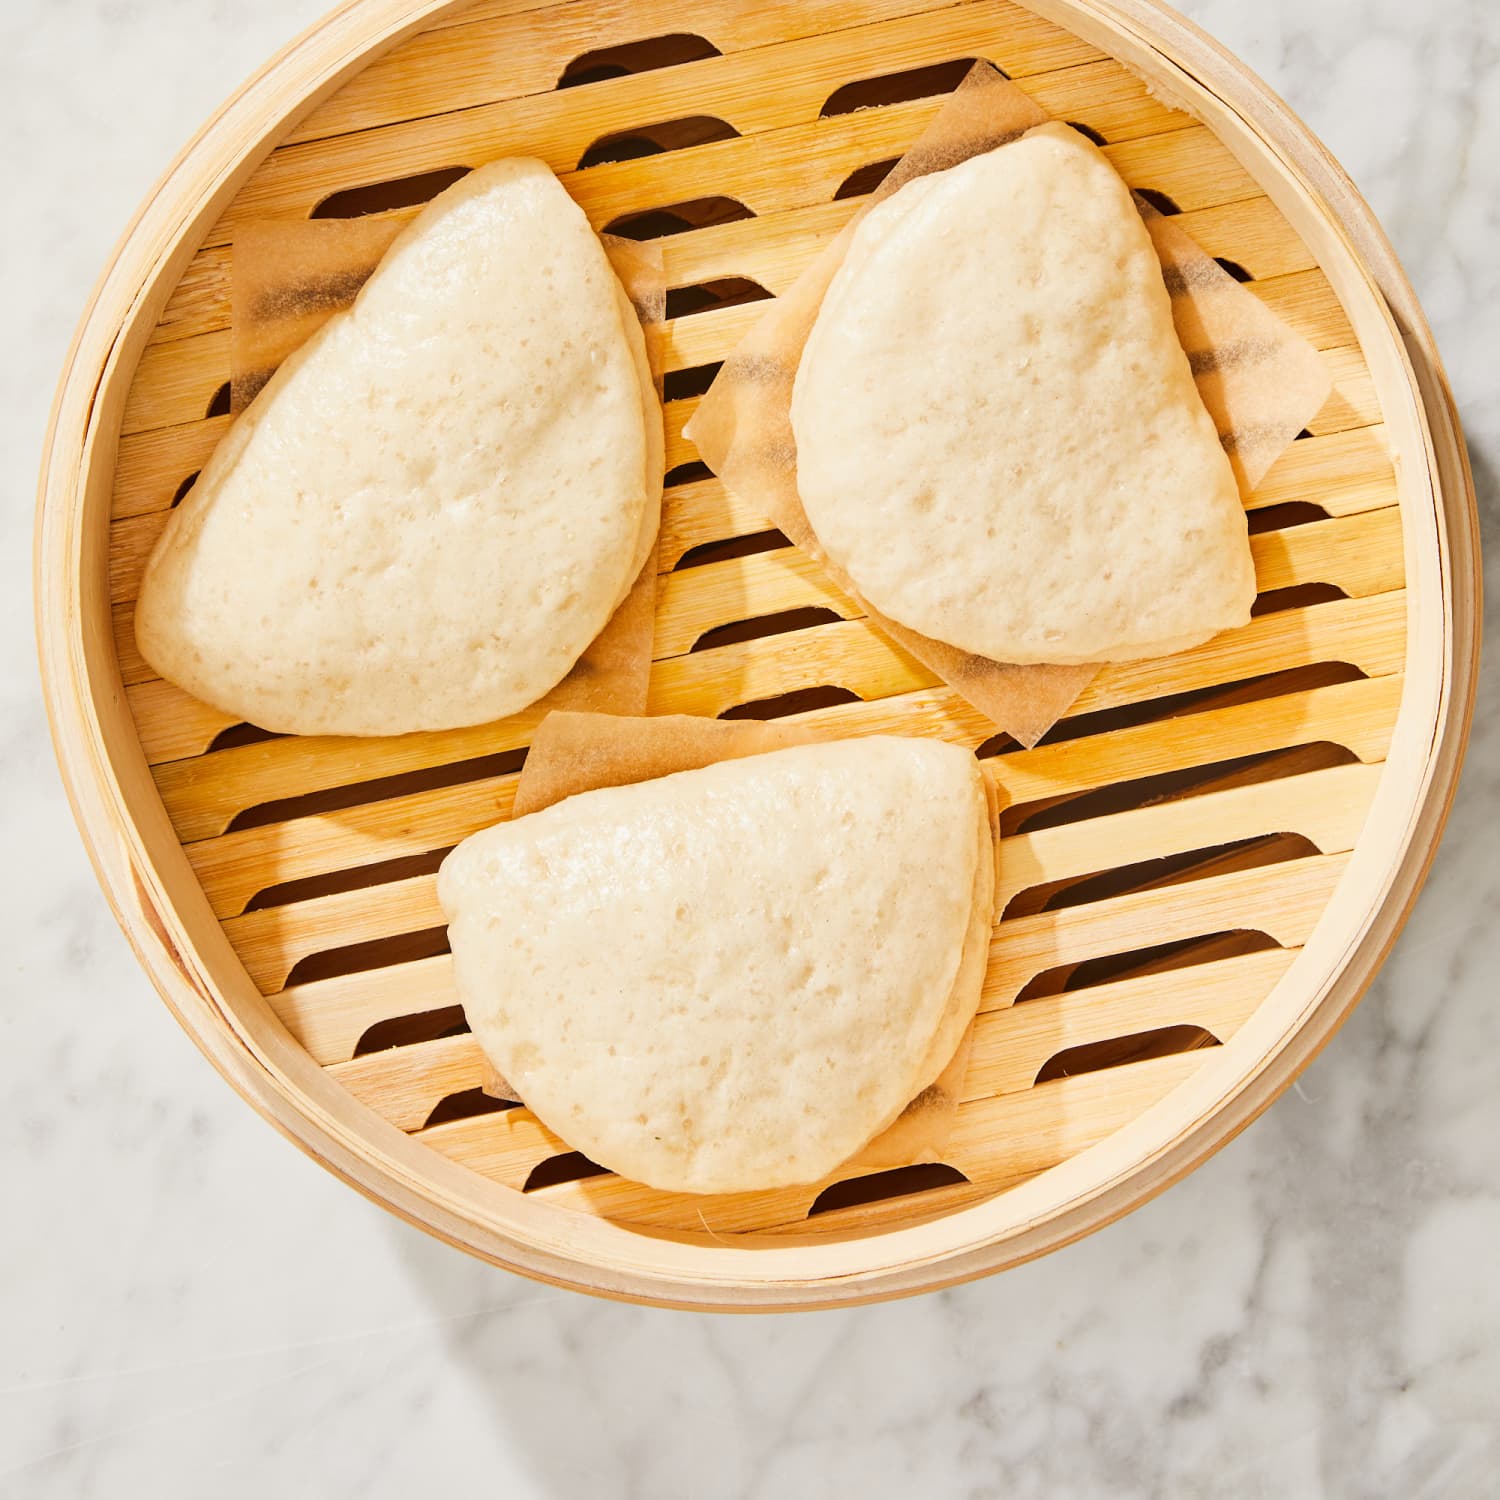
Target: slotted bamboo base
(1201, 867)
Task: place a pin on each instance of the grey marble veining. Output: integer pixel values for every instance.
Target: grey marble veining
(187, 1306)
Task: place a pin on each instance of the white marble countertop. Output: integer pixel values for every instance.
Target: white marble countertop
(189, 1306)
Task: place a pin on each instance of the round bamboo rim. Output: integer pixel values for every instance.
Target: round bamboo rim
(156, 899)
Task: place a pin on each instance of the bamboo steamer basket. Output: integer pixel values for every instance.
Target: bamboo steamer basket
(1201, 870)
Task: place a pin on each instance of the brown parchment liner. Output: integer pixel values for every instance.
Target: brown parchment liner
(1261, 382)
(288, 277)
(577, 752)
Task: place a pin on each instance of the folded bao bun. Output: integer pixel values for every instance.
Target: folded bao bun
(734, 977)
(436, 503)
(999, 438)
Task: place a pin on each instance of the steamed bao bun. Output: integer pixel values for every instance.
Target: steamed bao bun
(436, 503)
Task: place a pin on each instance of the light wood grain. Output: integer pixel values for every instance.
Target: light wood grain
(327, 1017)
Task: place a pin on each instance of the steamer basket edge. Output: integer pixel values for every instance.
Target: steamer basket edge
(183, 949)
